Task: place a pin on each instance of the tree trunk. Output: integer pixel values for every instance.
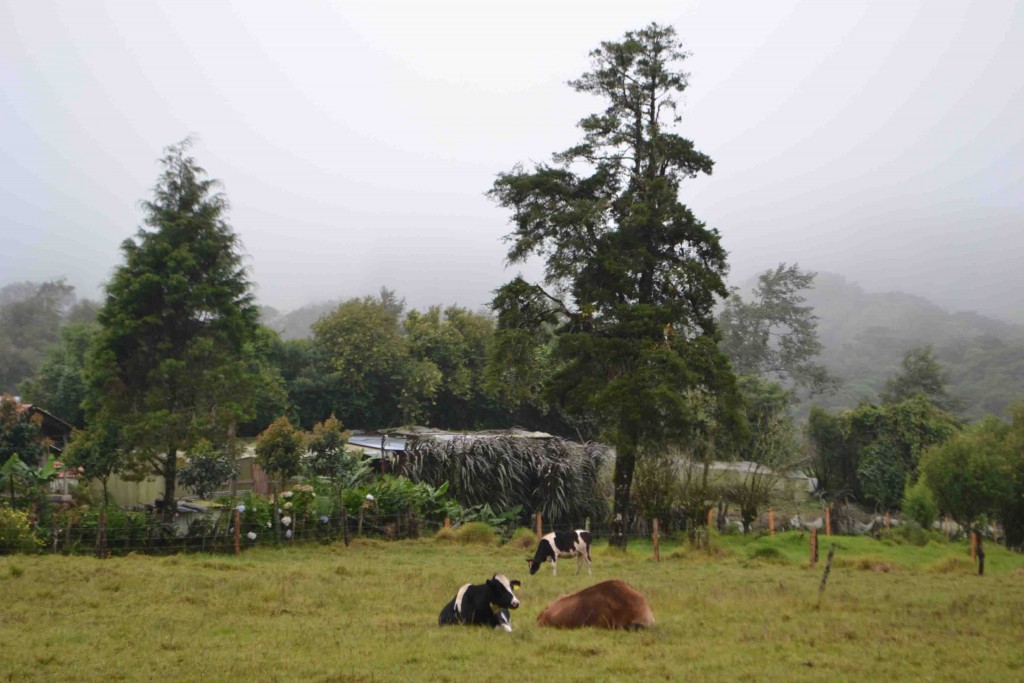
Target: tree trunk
(625, 464)
(170, 472)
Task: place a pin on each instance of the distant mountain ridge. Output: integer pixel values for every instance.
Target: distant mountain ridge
(866, 334)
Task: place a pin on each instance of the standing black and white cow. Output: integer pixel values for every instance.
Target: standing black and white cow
(562, 544)
(485, 604)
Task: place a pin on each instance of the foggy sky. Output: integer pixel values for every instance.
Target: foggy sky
(879, 140)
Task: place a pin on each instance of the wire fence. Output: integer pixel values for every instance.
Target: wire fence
(228, 531)
(232, 530)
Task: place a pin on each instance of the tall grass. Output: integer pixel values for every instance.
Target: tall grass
(368, 612)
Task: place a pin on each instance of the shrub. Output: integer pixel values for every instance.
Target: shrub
(524, 539)
(768, 552)
(445, 535)
(477, 532)
(16, 532)
(919, 504)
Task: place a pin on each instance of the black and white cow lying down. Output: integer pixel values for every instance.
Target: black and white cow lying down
(562, 544)
(485, 604)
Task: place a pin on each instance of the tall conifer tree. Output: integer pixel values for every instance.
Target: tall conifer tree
(169, 364)
(631, 275)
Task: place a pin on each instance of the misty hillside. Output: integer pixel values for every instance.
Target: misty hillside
(866, 334)
(296, 324)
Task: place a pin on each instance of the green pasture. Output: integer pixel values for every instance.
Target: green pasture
(748, 610)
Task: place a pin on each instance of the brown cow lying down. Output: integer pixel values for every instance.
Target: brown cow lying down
(609, 604)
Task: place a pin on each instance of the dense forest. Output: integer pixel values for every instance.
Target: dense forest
(863, 335)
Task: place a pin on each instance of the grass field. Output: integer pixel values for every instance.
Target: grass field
(748, 611)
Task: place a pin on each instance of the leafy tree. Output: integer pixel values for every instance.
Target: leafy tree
(1012, 511)
(362, 342)
(60, 384)
(207, 468)
(20, 434)
(834, 458)
(919, 504)
(972, 475)
(279, 450)
(872, 452)
(630, 274)
(101, 452)
(774, 335)
(314, 387)
(327, 448)
(891, 440)
(772, 448)
(170, 361)
(455, 341)
(921, 374)
(268, 386)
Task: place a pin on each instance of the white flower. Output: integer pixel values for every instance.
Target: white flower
(286, 521)
(324, 519)
(240, 508)
(286, 494)
(287, 506)
(251, 535)
(269, 525)
(288, 534)
(369, 496)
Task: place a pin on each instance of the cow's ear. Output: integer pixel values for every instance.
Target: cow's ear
(515, 585)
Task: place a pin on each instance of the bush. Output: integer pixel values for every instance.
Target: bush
(909, 534)
(16, 534)
(919, 504)
(767, 552)
(445, 535)
(478, 533)
(524, 539)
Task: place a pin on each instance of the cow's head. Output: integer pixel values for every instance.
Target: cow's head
(503, 591)
(534, 565)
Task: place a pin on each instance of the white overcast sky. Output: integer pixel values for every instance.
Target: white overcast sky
(882, 140)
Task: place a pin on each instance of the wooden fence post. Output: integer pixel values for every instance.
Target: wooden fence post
(344, 523)
(771, 522)
(828, 521)
(888, 524)
(447, 522)
(974, 545)
(657, 549)
(814, 547)
(238, 530)
(540, 526)
(711, 512)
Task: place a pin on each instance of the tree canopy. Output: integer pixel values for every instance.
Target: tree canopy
(630, 275)
(774, 335)
(920, 373)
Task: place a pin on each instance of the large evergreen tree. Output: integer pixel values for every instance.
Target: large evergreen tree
(170, 363)
(631, 275)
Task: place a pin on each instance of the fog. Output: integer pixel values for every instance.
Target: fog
(355, 141)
